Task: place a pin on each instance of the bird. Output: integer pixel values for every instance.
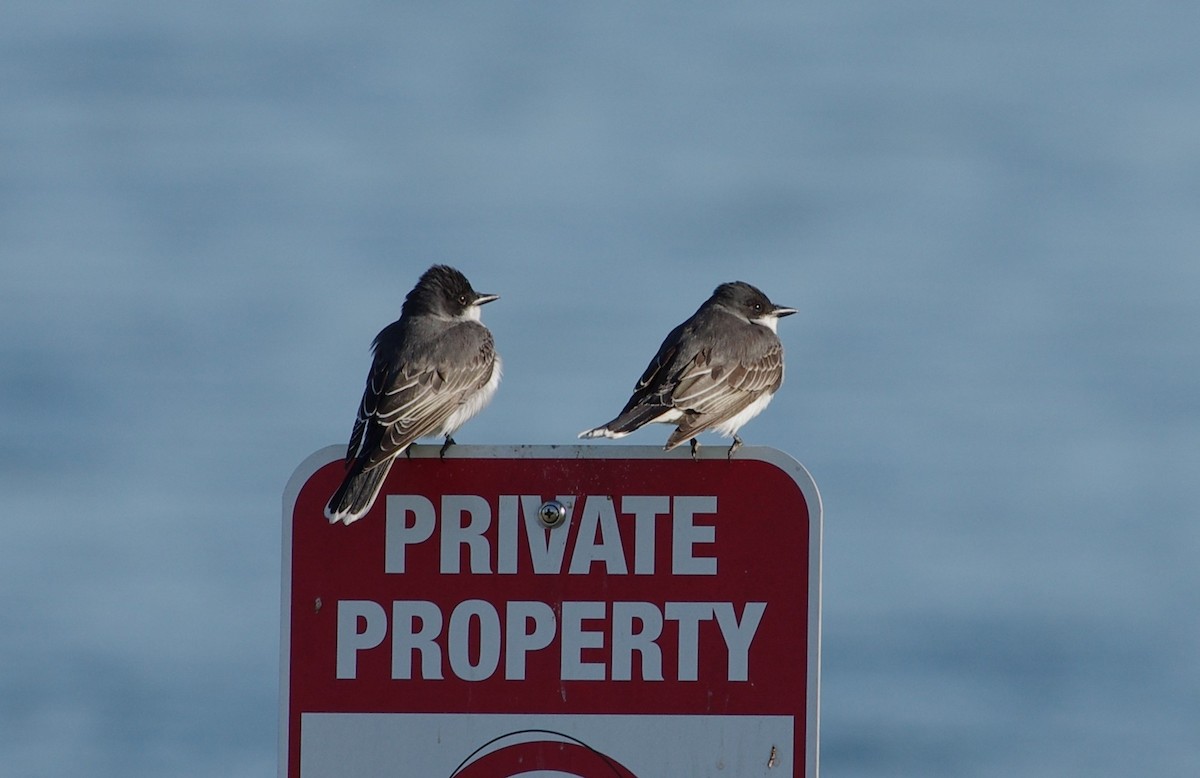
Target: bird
(433, 369)
(716, 371)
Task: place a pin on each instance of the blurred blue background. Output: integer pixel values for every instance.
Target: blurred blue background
(987, 214)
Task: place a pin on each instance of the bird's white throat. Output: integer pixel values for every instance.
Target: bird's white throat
(770, 321)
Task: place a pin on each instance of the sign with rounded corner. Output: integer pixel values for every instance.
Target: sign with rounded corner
(538, 611)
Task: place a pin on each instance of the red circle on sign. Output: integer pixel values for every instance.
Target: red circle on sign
(574, 759)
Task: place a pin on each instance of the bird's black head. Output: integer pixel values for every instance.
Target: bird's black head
(445, 292)
(750, 303)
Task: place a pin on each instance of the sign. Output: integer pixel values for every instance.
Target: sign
(668, 624)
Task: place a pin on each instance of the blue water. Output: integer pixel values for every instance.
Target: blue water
(986, 213)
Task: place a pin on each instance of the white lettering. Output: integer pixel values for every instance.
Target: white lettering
(398, 534)
(575, 639)
(738, 635)
(518, 641)
(546, 546)
(350, 640)
(599, 518)
(506, 535)
(460, 640)
(686, 534)
(455, 534)
(467, 537)
(645, 510)
(689, 615)
(479, 632)
(406, 638)
(625, 641)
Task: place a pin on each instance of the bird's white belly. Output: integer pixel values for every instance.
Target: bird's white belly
(475, 403)
(730, 426)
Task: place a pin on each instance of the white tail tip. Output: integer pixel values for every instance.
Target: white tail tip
(345, 517)
(602, 432)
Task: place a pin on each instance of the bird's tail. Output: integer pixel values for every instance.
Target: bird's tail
(357, 493)
(602, 432)
(632, 419)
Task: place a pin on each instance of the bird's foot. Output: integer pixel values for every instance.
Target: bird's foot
(442, 451)
(408, 452)
(737, 443)
(695, 449)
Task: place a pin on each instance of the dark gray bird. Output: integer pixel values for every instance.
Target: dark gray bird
(434, 369)
(716, 371)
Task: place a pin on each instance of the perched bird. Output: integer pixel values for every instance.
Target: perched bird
(433, 369)
(716, 371)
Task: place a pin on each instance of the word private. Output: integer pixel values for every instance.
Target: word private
(465, 529)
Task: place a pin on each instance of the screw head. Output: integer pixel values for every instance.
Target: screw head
(552, 513)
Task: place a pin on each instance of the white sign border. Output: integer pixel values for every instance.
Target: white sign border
(798, 473)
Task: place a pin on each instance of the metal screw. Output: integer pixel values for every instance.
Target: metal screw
(552, 513)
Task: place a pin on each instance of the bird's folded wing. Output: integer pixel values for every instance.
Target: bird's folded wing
(717, 391)
(406, 403)
(653, 376)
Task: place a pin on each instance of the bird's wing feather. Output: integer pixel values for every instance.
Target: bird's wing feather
(656, 369)
(657, 382)
(710, 392)
(406, 400)
(377, 383)
(706, 386)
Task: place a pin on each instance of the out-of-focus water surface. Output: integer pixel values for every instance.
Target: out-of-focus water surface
(988, 215)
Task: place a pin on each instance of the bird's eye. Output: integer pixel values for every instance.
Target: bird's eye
(758, 307)
(462, 299)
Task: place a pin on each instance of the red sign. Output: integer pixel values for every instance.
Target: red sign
(667, 624)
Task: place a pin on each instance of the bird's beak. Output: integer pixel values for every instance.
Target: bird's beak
(483, 299)
(780, 311)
